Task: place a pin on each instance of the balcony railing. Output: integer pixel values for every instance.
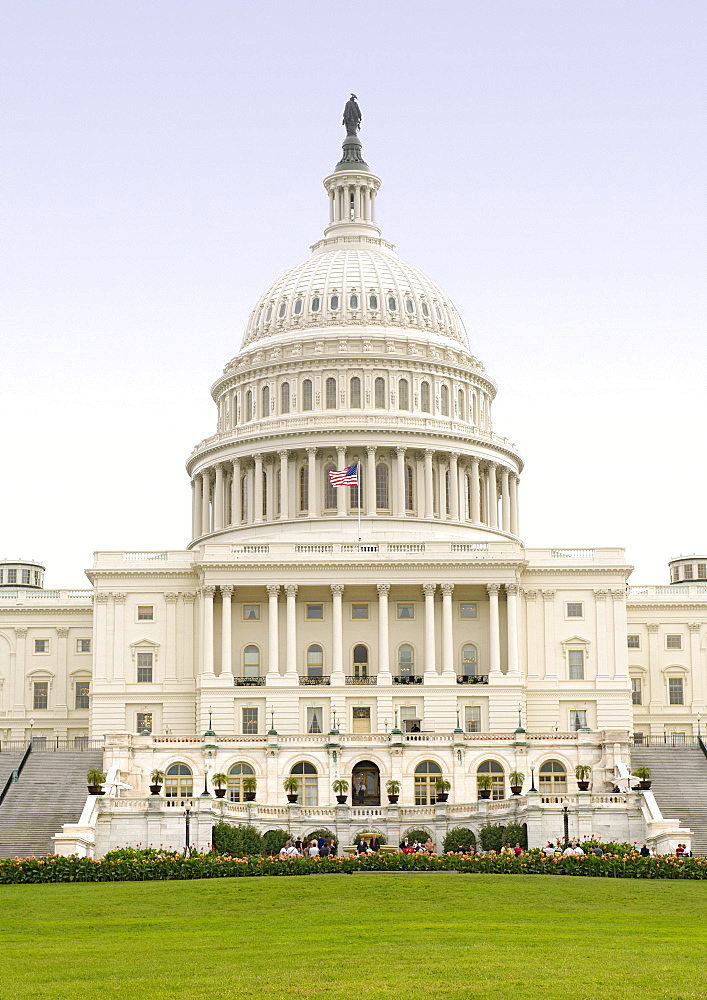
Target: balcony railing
(353, 679)
(665, 740)
(472, 678)
(407, 679)
(314, 681)
(249, 681)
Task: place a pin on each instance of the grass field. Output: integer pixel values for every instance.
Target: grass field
(359, 937)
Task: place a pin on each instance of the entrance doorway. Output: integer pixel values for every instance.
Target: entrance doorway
(366, 784)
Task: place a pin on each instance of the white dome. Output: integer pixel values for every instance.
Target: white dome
(354, 281)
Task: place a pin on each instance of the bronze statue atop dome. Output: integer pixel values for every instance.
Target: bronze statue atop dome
(352, 116)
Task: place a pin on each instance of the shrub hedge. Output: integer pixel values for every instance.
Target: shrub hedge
(130, 865)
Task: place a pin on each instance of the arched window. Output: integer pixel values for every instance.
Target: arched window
(265, 399)
(356, 492)
(406, 661)
(251, 661)
(444, 400)
(353, 301)
(329, 490)
(460, 405)
(282, 310)
(304, 489)
(285, 397)
(497, 773)
(426, 775)
(382, 487)
(330, 394)
(268, 314)
(392, 303)
(360, 662)
(472, 408)
(355, 393)
(409, 307)
(403, 395)
(235, 773)
(244, 497)
(315, 661)
(316, 302)
(553, 778)
(178, 782)
(334, 302)
(372, 301)
(470, 661)
(265, 494)
(298, 307)
(278, 492)
(409, 488)
(447, 506)
(307, 394)
(425, 397)
(467, 496)
(380, 393)
(307, 774)
(248, 406)
(425, 310)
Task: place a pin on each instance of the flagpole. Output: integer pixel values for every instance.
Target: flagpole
(358, 477)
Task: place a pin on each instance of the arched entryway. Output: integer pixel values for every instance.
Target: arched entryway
(366, 784)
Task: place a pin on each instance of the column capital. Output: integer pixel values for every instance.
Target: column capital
(493, 588)
(474, 459)
(257, 457)
(618, 595)
(101, 598)
(119, 598)
(400, 450)
(601, 595)
(205, 474)
(511, 588)
(530, 595)
(63, 631)
(226, 589)
(220, 466)
(273, 589)
(429, 452)
(171, 597)
(694, 626)
(208, 590)
(237, 462)
(548, 595)
(371, 449)
(383, 589)
(21, 632)
(337, 588)
(283, 453)
(189, 596)
(429, 588)
(447, 589)
(652, 627)
(311, 452)
(291, 589)
(454, 456)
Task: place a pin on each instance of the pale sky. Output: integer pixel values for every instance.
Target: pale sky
(544, 162)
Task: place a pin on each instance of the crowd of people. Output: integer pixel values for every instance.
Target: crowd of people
(316, 847)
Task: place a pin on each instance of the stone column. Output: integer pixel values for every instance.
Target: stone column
(532, 633)
(400, 482)
(118, 636)
(62, 695)
(550, 671)
(18, 709)
(493, 496)
(602, 638)
(189, 602)
(258, 489)
(494, 636)
(384, 675)
(270, 484)
(170, 656)
(100, 627)
(505, 500)
(453, 487)
(429, 485)
(273, 590)
(226, 625)
(218, 498)
(195, 508)
(428, 589)
(342, 491)
(236, 507)
(698, 694)
(448, 670)
(475, 505)
(514, 505)
(370, 480)
(337, 634)
(512, 627)
(284, 486)
(291, 653)
(205, 502)
(207, 630)
(620, 629)
(312, 482)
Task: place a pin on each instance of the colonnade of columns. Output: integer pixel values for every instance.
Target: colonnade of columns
(285, 484)
(352, 201)
(432, 665)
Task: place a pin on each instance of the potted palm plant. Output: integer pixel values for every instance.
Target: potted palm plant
(95, 779)
(516, 779)
(157, 777)
(442, 787)
(341, 787)
(644, 774)
(392, 787)
(249, 785)
(291, 786)
(484, 782)
(219, 782)
(581, 773)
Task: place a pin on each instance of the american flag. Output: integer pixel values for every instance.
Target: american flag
(347, 477)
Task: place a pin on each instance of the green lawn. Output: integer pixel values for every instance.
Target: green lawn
(360, 937)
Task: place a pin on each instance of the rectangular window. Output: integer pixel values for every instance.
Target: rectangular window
(361, 721)
(467, 611)
(314, 612)
(251, 612)
(315, 720)
(83, 690)
(687, 571)
(144, 668)
(676, 695)
(634, 641)
(638, 739)
(575, 610)
(578, 719)
(701, 571)
(250, 721)
(636, 691)
(83, 645)
(575, 660)
(673, 642)
(41, 645)
(144, 722)
(359, 611)
(36, 578)
(409, 719)
(41, 694)
(406, 611)
(12, 576)
(472, 718)
(25, 576)
(145, 613)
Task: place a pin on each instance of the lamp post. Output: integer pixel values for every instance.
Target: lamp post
(31, 732)
(532, 779)
(566, 823)
(186, 832)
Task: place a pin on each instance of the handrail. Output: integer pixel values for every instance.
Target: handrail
(702, 746)
(16, 773)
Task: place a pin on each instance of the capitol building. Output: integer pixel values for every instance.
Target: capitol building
(395, 629)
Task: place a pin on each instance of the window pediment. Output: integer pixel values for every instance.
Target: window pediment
(144, 646)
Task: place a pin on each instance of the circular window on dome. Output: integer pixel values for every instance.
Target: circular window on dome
(425, 310)
(282, 310)
(353, 301)
(373, 301)
(268, 314)
(409, 306)
(334, 302)
(438, 313)
(298, 307)
(392, 303)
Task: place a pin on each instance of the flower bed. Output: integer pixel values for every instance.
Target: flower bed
(148, 866)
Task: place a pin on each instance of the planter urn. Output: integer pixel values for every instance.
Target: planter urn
(583, 786)
(516, 789)
(441, 796)
(94, 790)
(249, 796)
(644, 785)
(220, 793)
(292, 798)
(393, 799)
(484, 793)
(155, 789)
(341, 799)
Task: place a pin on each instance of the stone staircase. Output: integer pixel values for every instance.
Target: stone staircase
(679, 783)
(51, 791)
(8, 763)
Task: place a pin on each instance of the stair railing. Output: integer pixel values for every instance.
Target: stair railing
(700, 742)
(16, 773)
